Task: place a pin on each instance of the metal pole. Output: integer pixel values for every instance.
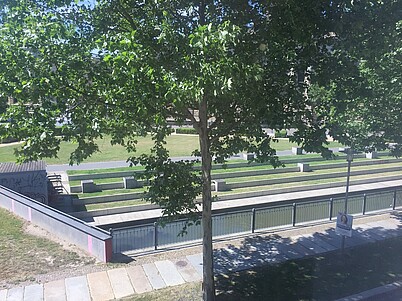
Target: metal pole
(350, 159)
(294, 215)
(253, 220)
(364, 204)
(156, 235)
(394, 201)
(331, 208)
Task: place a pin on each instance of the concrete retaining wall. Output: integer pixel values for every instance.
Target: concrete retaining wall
(304, 188)
(109, 198)
(309, 178)
(118, 185)
(138, 195)
(118, 210)
(95, 241)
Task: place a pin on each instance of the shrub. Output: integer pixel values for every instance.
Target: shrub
(281, 134)
(187, 131)
(8, 140)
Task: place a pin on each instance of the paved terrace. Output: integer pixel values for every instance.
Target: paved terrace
(244, 202)
(244, 253)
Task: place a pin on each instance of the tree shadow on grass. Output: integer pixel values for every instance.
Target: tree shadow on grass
(310, 267)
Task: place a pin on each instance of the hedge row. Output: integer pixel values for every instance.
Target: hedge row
(188, 131)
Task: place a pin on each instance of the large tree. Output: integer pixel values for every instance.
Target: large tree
(356, 94)
(124, 68)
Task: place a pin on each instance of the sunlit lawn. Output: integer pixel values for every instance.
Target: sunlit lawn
(178, 146)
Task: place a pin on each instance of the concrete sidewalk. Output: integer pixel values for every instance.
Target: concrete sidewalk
(236, 255)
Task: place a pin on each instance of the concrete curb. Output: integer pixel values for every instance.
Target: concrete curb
(374, 292)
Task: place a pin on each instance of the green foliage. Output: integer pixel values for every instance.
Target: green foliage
(124, 68)
(172, 185)
(360, 107)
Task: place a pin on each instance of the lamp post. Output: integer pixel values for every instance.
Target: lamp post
(349, 157)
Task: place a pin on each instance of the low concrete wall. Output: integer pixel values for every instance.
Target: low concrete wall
(105, 186)
(109, 198)
(304, 188)
(117, 210)
(310, 178)
(330, 165)
(95, 241)
(119, 174)
(360, 163)
(126, 209)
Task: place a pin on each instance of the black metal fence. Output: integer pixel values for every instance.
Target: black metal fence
(152, 236)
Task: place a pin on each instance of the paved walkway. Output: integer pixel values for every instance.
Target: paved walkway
(241, 254)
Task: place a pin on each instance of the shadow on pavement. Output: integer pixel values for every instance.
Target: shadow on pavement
(311, 266)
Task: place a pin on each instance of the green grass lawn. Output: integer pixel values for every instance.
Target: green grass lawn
(322, 277)
(109, 192)
(178, 145)
(92, 207)
(23, 255)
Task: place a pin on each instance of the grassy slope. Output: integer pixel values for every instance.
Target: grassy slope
(24, 256)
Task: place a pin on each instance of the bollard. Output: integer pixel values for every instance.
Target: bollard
(253, 220)
(156, 235)
(364, 204)
(394, 201)
(294, 215)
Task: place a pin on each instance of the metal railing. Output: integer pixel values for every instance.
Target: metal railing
(153, 236)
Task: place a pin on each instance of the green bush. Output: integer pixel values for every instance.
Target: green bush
(188, 131)
(281, 134)
(8, 140)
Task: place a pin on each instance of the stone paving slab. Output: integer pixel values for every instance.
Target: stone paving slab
(301, 249)
(186, 270)
(120, 283)
(390, 227)
(15, 294)
(154, 276)
(3, 295)
(77, 289)
(374, 233)
(196, 262)
(357, 239)
(290, 252)
(365, 235)
(309, 244)
(138, 279)
(99, 286)
(33, 292)
(332, 238)
(228, 260)
(169, 273)
(55, 291)
(320, 242)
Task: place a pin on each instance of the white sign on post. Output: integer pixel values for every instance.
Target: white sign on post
(344, 224)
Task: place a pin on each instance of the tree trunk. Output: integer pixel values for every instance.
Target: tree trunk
(208, 285)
